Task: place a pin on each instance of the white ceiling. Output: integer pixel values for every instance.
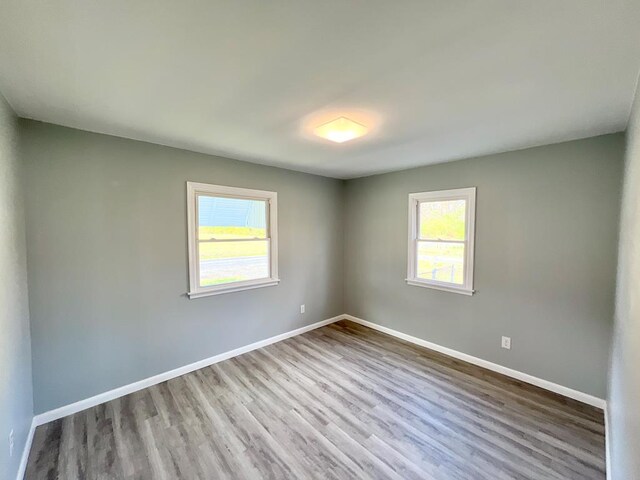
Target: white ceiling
(437, 80)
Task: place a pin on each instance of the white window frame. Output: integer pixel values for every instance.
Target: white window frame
(467, 194)
(193, 191)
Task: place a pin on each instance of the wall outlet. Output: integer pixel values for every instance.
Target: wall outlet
(11, 443)
(506, 343)
(302, 309)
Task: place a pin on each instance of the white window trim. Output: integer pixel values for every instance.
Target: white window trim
(468, 194)
(193, 190)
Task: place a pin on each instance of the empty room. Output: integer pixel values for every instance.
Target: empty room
(296, 239)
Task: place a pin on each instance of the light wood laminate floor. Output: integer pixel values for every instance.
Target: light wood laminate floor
(339, 402)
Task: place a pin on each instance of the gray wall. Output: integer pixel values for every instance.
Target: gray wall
(546, 237)
(106, 232)
(624, 376)
(106, 229)
(16, 399)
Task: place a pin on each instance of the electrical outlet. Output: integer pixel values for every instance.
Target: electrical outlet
(11, 443)
(302, 309)
(506, 343)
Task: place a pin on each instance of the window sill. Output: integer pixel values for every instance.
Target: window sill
(235, 287)
(444, 288)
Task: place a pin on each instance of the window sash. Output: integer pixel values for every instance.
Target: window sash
(444, 282)
(222, 240)
(439, 240)
(267, 212)
(269, 273)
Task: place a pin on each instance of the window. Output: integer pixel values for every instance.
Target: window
(232, 239)
(441, 233)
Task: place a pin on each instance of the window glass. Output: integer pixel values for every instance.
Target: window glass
(232, 240)
(230, 218)
(442, 220)
(233, 261)
(441, 261)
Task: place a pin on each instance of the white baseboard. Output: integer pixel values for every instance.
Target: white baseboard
(147, 382)
(538, 382)
(607, 441)
(72, 408)
(25, 452)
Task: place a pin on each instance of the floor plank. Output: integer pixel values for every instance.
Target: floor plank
(342, 401)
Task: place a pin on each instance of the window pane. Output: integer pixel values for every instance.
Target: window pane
(226, 262)
(442, 220)
(231, 218)
(441, 261)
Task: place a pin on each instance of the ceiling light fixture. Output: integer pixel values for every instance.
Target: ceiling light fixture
(341, 130)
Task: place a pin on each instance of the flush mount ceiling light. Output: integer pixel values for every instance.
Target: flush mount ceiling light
(341, 130)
